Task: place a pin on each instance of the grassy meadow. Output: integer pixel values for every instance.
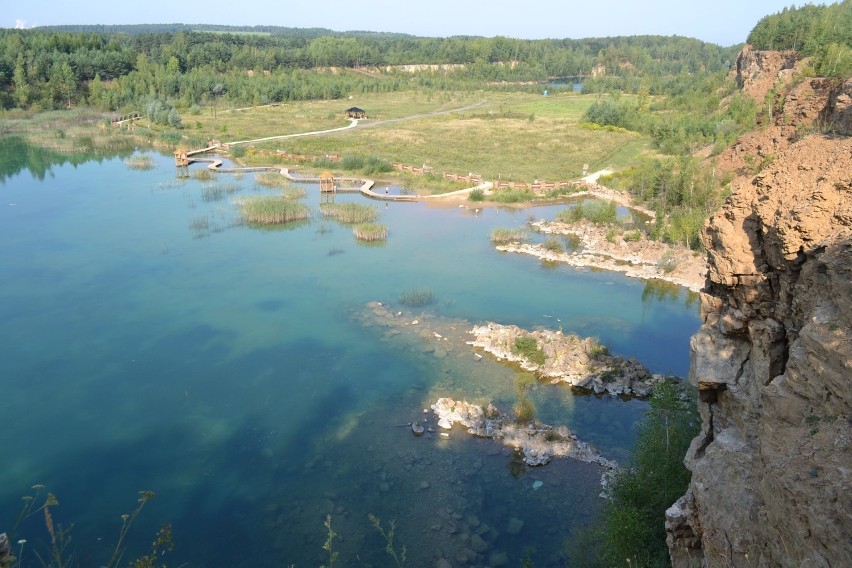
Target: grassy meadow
(512, 136)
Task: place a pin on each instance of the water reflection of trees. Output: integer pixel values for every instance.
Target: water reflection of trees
(662, 291)
(17, 155)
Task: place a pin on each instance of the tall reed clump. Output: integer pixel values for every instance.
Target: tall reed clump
(272, 210)
(203, 174)
(370, 232)
(416, 297)
(525, 408)
(351, 213)
(502, 235)
(271, 179)
(598, 212)
(294, 193)
(217, 192)
(139, 162)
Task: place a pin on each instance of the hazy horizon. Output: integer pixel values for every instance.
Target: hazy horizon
(725, 23)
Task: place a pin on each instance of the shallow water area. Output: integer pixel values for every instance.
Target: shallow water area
(154, 342)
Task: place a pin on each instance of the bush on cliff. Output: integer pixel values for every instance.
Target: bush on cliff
(632, 527)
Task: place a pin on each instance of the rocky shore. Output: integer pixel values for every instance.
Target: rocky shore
(538, 443)
(642, 258)
(567, 358)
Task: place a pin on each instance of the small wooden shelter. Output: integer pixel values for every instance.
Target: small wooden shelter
(181, 157)
(355, 112)
(327, 187)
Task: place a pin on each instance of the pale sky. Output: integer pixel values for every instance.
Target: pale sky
(725, 22)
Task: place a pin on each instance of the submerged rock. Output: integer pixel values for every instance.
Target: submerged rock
(417, 428)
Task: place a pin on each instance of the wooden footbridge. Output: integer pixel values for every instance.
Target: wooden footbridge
(329, 184)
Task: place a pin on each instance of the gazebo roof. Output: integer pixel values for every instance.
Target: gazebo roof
(354, 109)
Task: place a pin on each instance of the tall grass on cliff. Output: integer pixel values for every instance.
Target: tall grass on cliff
(632, 529)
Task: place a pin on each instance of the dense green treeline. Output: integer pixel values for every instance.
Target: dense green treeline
(55, 69)
(824, 32)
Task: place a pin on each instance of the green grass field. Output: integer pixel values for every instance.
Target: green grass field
(514, 136)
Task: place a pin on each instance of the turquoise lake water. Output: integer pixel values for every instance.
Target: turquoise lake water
(151, 342)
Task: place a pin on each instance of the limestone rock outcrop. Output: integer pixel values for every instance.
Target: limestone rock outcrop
(773, 365)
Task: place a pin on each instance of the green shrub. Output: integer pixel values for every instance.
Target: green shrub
(634, 520)
(513, 195)
(524, 410)
(596, 211)
(553, 244)
(477, 195)
(527, 347)
(632, 236)
(352, 162)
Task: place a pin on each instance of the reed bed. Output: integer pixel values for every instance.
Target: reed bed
(273, 210)
(502, 235)
(416, 297)
(218, 192)
(203, 174)
(351, 213)
(370, 232)
(596, 211)
(139, 162)
(271, 179)
(294, 193)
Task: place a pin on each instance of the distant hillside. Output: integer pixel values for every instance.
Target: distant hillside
(140, 29)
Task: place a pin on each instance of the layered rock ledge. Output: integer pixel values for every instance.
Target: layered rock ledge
(773, 365)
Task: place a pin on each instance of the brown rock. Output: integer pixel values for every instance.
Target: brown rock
(773, 361)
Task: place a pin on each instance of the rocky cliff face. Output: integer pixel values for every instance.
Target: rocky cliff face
(773, 364)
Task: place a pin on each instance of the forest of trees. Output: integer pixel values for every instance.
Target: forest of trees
(824, 32)
(114, 68)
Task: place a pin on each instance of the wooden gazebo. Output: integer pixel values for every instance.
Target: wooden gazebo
(181, 157)
(355, 112)
(328, 189)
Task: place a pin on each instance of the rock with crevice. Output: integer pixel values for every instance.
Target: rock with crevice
(773, 365)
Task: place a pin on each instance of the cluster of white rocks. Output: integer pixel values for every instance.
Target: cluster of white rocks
(580, 362)
(538, 443)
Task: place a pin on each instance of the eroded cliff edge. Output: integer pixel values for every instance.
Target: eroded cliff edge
(773, 364)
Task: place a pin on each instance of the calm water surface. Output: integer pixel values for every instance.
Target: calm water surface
(150, 342)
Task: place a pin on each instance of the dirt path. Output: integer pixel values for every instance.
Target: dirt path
(354, 123)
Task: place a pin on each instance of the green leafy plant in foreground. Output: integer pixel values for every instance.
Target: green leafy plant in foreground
(59, 555)
(328, 546)
(398, 557)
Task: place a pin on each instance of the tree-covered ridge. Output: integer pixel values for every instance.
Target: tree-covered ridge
(824, 32)
(52, 69)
